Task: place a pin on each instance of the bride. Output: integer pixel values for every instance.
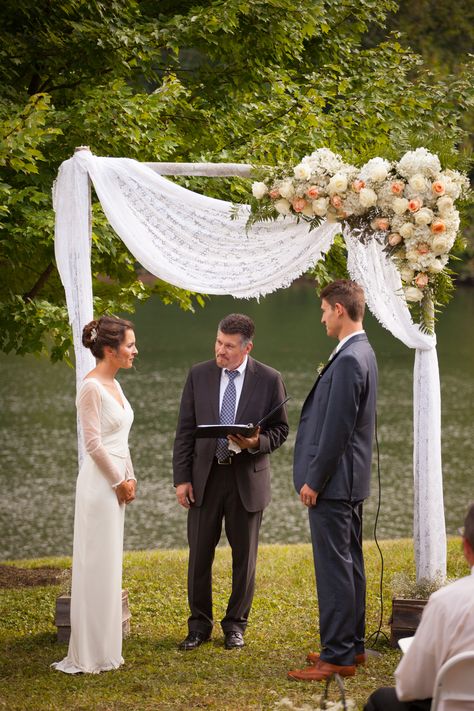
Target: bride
(105, 483)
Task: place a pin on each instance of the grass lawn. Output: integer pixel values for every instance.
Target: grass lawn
(282, 629)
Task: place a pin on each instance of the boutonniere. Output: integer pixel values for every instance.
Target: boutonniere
(320, 367)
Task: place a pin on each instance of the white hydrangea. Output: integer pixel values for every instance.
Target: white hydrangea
(376, 169)
(419, 161)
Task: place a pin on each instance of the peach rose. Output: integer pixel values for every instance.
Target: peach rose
(415, 204)
(394, 239)
(421, 280)
(380, 223)
(437, 227)
(299, 204)
(357, 185)
(312, 191)
(336, 201)
(397, 187)
(438, 187)
(422, 248)
(274, 194)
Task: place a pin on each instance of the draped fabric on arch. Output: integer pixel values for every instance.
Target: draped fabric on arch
(202, 244)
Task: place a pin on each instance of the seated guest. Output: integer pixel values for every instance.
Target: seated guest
(446, 629)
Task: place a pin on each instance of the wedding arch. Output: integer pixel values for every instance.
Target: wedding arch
(205, 245)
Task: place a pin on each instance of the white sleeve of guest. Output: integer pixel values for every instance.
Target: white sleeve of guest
(89, 406)
(416, 673)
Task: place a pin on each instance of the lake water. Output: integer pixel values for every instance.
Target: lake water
(37, 422)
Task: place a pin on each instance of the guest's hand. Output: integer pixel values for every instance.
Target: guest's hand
(252, 442)
(185, 494)
(308, 496)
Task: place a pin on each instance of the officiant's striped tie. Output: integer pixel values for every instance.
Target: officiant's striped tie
(227, 414)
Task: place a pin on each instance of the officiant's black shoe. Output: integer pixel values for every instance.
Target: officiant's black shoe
(234, 640)
(193, 641)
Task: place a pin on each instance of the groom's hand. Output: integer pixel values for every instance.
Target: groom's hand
(308, 496)
(185, 494)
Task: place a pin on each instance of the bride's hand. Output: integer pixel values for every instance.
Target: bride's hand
(125, 491)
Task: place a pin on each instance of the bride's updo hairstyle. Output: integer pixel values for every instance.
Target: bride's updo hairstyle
(106, 331)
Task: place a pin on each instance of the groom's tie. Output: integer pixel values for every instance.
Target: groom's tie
(227, 414)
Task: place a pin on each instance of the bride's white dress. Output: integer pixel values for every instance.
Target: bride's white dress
(96, 597)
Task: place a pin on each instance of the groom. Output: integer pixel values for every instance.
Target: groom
(332, 464)
(214, 483)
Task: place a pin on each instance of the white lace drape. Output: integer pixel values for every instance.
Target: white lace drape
(369, 266)
(195, 242)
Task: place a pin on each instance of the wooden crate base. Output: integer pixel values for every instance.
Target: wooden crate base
(406, 616)
(63, 611)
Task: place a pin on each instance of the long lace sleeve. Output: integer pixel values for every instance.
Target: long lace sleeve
(129, 473)
(89, 404)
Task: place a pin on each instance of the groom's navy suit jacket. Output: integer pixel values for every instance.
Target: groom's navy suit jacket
(333, 449)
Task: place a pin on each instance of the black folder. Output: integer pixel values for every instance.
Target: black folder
(221, 431)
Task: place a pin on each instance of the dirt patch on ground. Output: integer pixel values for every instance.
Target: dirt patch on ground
(13, 577)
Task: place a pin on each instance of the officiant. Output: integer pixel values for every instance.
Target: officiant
(226, 479)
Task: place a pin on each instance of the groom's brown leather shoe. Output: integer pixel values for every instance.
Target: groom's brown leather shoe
(360, 659)
(321, 671)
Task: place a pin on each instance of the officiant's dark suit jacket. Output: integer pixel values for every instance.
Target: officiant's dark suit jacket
(333, 454)
(193, 458)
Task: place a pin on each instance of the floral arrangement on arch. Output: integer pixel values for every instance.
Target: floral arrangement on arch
(409, 203)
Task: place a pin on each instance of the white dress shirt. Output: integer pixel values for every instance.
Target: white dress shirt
(238, 381)
(345, 339)
(446, 629)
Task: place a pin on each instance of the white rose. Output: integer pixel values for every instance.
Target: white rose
(320, 206)
(338, 183)
(283, 206)
(259, 190)
(436, 266)
(302, 171)
(424, 216)
(441, 244)
(367, 197)
(308, 211)
(406, 230)
(444, 204)
(417, 183)
(407, 274)
(286, 189)
(413, 294)
(399, 205)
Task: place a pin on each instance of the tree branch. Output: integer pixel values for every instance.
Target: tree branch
(39, 284)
